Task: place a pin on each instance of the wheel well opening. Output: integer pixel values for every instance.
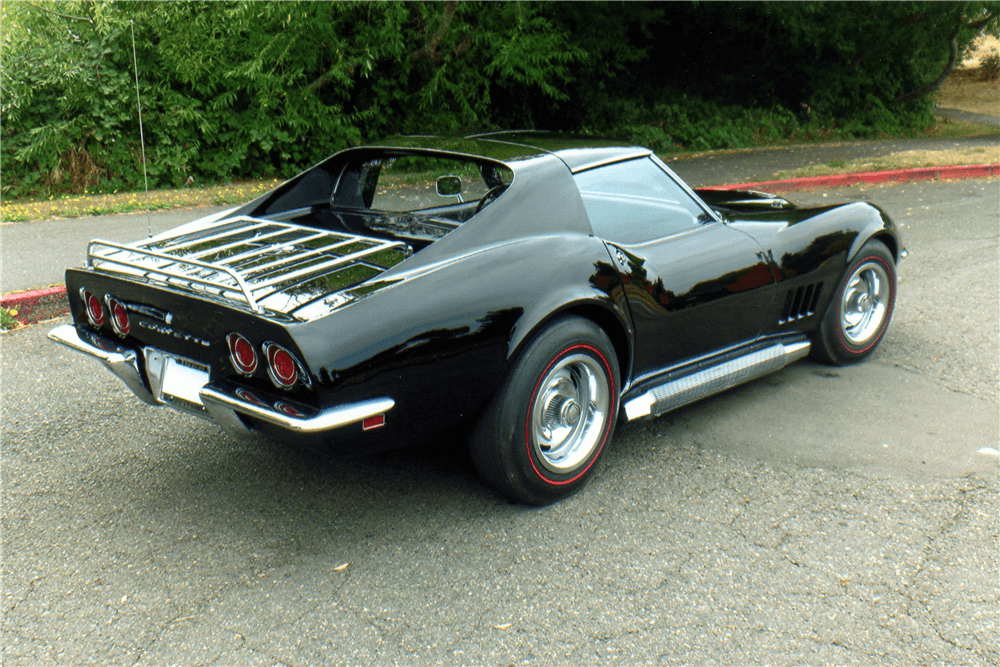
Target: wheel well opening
(889, 243)
(613, 328)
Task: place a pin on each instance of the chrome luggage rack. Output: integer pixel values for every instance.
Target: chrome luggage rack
(268, 265)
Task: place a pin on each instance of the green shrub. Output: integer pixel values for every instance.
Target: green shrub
(688, 122)
(990, 67)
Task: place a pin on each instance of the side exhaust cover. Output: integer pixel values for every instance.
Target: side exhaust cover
(690, 388)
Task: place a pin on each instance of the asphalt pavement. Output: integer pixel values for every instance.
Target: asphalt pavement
(818, 516)
(36, 254)
(968, 116)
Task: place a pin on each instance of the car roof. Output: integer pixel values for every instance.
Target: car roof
(543, 199)
(578, 152)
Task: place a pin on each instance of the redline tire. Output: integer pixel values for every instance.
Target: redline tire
(858, 317)
(542, 436)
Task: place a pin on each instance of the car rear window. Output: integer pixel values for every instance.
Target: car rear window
(407, 182)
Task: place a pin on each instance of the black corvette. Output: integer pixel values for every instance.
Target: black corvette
(527, 287)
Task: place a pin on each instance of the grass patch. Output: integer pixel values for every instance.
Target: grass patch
(75, 206)
(971, 90)
(902, 160)
(942, 129)
(958, 129)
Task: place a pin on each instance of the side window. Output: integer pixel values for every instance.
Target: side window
(636, 201)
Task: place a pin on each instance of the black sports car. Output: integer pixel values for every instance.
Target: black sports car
(529, 287)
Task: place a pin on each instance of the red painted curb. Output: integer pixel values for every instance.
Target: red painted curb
(874, 177)
(37, 305)
(32, 296)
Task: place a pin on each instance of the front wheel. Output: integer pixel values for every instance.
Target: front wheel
(542, 435)
(859, 315)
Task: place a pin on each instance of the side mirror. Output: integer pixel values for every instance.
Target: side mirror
(449, 186)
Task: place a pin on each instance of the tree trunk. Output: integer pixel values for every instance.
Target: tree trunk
(952, 58)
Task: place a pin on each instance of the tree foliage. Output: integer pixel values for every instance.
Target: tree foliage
(246, 89)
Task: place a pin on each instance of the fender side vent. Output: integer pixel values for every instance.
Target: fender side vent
(800, 302)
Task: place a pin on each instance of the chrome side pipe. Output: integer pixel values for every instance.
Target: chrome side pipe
(675, 393)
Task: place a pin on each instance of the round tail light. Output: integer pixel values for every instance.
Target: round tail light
(119, 315)
(242, 354)
(281, 366)
(95, 313)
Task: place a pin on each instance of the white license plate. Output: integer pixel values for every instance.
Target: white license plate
(183, 381)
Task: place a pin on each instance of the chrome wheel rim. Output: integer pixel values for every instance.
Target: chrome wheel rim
(865, 302)
(569, 413)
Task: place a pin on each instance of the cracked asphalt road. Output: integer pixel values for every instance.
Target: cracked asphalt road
(818, 516)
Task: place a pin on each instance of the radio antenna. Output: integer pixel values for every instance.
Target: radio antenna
(142, 136)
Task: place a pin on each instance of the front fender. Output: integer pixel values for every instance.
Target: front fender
(880, 226)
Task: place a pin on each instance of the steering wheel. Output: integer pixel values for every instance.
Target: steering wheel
(490, 197)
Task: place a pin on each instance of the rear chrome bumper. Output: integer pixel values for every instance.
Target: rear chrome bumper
(222, 401)
(121, 361)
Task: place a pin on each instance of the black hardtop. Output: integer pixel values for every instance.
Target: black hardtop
(578, 152)
(526, 153)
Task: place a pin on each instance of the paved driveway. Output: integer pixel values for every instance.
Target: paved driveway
(817, 516)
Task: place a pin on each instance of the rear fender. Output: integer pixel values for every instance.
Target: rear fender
(597, 293)
(608, 314)
(461, 324)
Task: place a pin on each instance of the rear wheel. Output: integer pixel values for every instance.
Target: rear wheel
(859, 315)
(542, 435)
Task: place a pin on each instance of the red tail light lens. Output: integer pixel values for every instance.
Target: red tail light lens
(119, 315)
(242, 354)
(95, 313)
(281, 366)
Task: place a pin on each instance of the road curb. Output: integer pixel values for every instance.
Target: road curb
(37, 305)
(870, 177)
(34, 305)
